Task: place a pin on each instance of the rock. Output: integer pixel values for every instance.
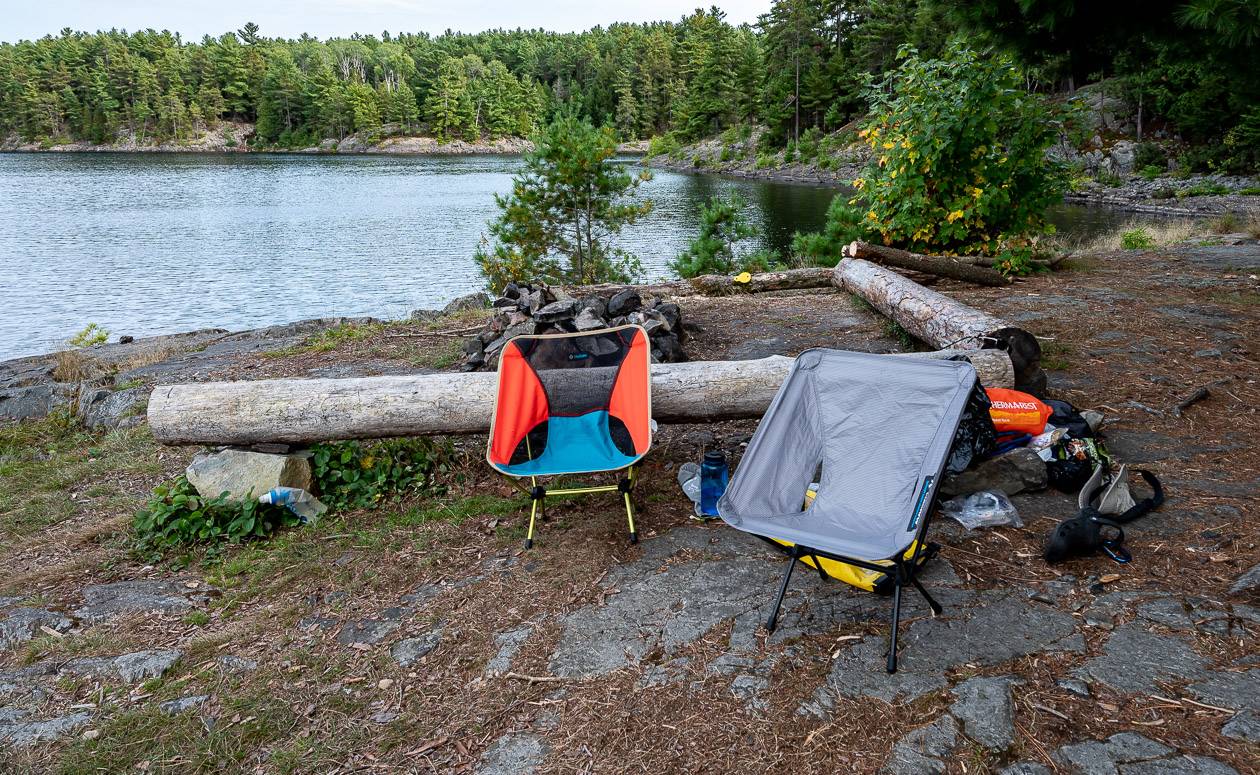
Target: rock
(128, 668)
(407, 651)
(1247, 583)
(987, 711)
(1234, 690)
(921, 752)
(509, 643)
(175, 707)
(518, 753)
(670, 349)
(1243, 726)
(1011, 473)
(31, 401)
(234, 664)
(476, 300)
(1075, 686)
(595, 305)
(1179, 765)
(587, 320)
(1095, 757)
(750, 688)
(24, 624)
(557, 310)
(102, 601)
(1026, 768)
(112, 408)
(247, 475)
(624, 302)
(1135, 660)
(367, 632)
(28, 733)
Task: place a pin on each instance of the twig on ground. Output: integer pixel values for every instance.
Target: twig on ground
(535, 679)
(458, 333)
(1199, 394)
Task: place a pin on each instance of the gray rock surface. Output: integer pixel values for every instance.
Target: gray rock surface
(1016, 471)
(27, 733)
(112, 408)
(245, 475)
(1026, 768)
(177, 706)
(407, 651)
(1135, 660)
(1230, 689)
(367, 632)
(1111, 756)
(509, 643)
(127, 668)
(921, 752)
(1243, 726)
(234, 664)
(1178, 765)
(477, 300)
(23, 624)
(1247, 583)
(516, 753)
(103, 601)
(987, 711)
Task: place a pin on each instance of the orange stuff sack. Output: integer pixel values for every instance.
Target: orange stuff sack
(1012, 410)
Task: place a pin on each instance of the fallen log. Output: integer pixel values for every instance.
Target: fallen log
(789, 279)
(302, 411)
(943, 322)
(943, 266)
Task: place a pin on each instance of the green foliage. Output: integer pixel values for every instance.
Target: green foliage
(177, 516)
(722, 226)
(845, 223)
(1150, 172)
(1206, 188)
(1109, 179)
(664, 145)
(1137, 239)
(958, 158)
(1150, 155)
(92, 334)
(567, 204)
(1248, 191)
(349, 474)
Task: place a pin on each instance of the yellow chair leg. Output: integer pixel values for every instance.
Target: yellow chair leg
(634, 537)
(533, 514)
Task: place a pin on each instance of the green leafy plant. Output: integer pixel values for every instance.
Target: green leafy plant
(1150, 155)
(958, 161)
(1150, 172)
(1137, 239)
(177, 515)
(1206, 188)
(92, 334)
(1248, 191)
(350, 474)
(722, 226)
(663, 145)
(1109, 179)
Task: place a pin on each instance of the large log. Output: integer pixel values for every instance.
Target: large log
(941, 321)
(301, 411)
(789, 279)
(943, 266)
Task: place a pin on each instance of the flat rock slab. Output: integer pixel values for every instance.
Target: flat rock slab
(128, 668)
(367, 632)
(987, 711)
(103, 601)
(1135, 660)
(23, 624)
(175, 707)
(27, 733)
(246, 475)
(1233, 690)
(922, 751)
(1247, 583)
(517, 753)
(509, 643)
(407, 651)
(1244, 726)
(1101, 757)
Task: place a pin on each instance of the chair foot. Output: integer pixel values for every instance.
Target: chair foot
(529, 543)
(773, 620)
(931, 601)
(634, 537)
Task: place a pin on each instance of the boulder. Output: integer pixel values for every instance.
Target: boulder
(1012, 472)
(1248, 583)
(112, 408)
(24, 624)
(128, 668)
(30, 401)
(624, 302)
(987, 711)
(246, 475)
(476, 300)
(557, 310)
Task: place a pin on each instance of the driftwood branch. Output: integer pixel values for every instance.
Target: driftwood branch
(943, 266)
(941, 321)
(301, 411)
(718, 284)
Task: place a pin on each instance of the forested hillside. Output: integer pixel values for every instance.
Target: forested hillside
(1188, 66)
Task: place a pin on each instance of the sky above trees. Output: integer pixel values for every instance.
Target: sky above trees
(331, 18)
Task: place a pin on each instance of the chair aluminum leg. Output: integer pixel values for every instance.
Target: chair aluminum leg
(773, 621)
(634, 536)
(896, 620)
(535, 506)
(931, 601)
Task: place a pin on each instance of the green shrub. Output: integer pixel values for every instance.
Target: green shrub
(722, 226)
(727, 154)
(91, 334)
(1249, 191)
(959, 159)
(764, 161)
(1226, 223)
(1163, 193)
(844, 225)
(1150, 155)
(1137, 239)
(808, 145)
(663, 145)
(1109, 179)
(789, 153)
(177, 516)
(1205, 188)
(350, 474)
(1150, 172)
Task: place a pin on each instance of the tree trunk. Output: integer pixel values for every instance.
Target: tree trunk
(942, 266)
(302, 411)
(941, 321)
(790, 279)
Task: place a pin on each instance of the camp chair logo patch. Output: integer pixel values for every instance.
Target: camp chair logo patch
(918, 506)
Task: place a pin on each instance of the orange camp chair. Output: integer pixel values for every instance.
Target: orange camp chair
(572, 404)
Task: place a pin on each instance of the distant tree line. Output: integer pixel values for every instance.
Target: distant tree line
(1192, 64)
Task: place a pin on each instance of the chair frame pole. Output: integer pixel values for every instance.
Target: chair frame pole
(538, 495)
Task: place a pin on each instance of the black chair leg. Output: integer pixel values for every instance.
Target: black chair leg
(773, 621)
(931, 601)
(896, 620)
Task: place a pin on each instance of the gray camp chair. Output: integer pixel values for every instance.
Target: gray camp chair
(874, 431)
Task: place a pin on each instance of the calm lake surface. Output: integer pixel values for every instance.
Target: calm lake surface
(146, 244)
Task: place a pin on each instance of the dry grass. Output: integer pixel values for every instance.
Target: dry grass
(1161, 235)
(75, 366)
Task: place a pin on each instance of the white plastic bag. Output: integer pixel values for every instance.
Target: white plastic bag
(987, 508)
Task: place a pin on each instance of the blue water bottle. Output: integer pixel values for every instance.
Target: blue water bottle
(713, 478)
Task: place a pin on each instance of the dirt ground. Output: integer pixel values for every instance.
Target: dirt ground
(420, 637)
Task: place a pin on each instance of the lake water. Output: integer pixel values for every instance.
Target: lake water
(146, 244)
